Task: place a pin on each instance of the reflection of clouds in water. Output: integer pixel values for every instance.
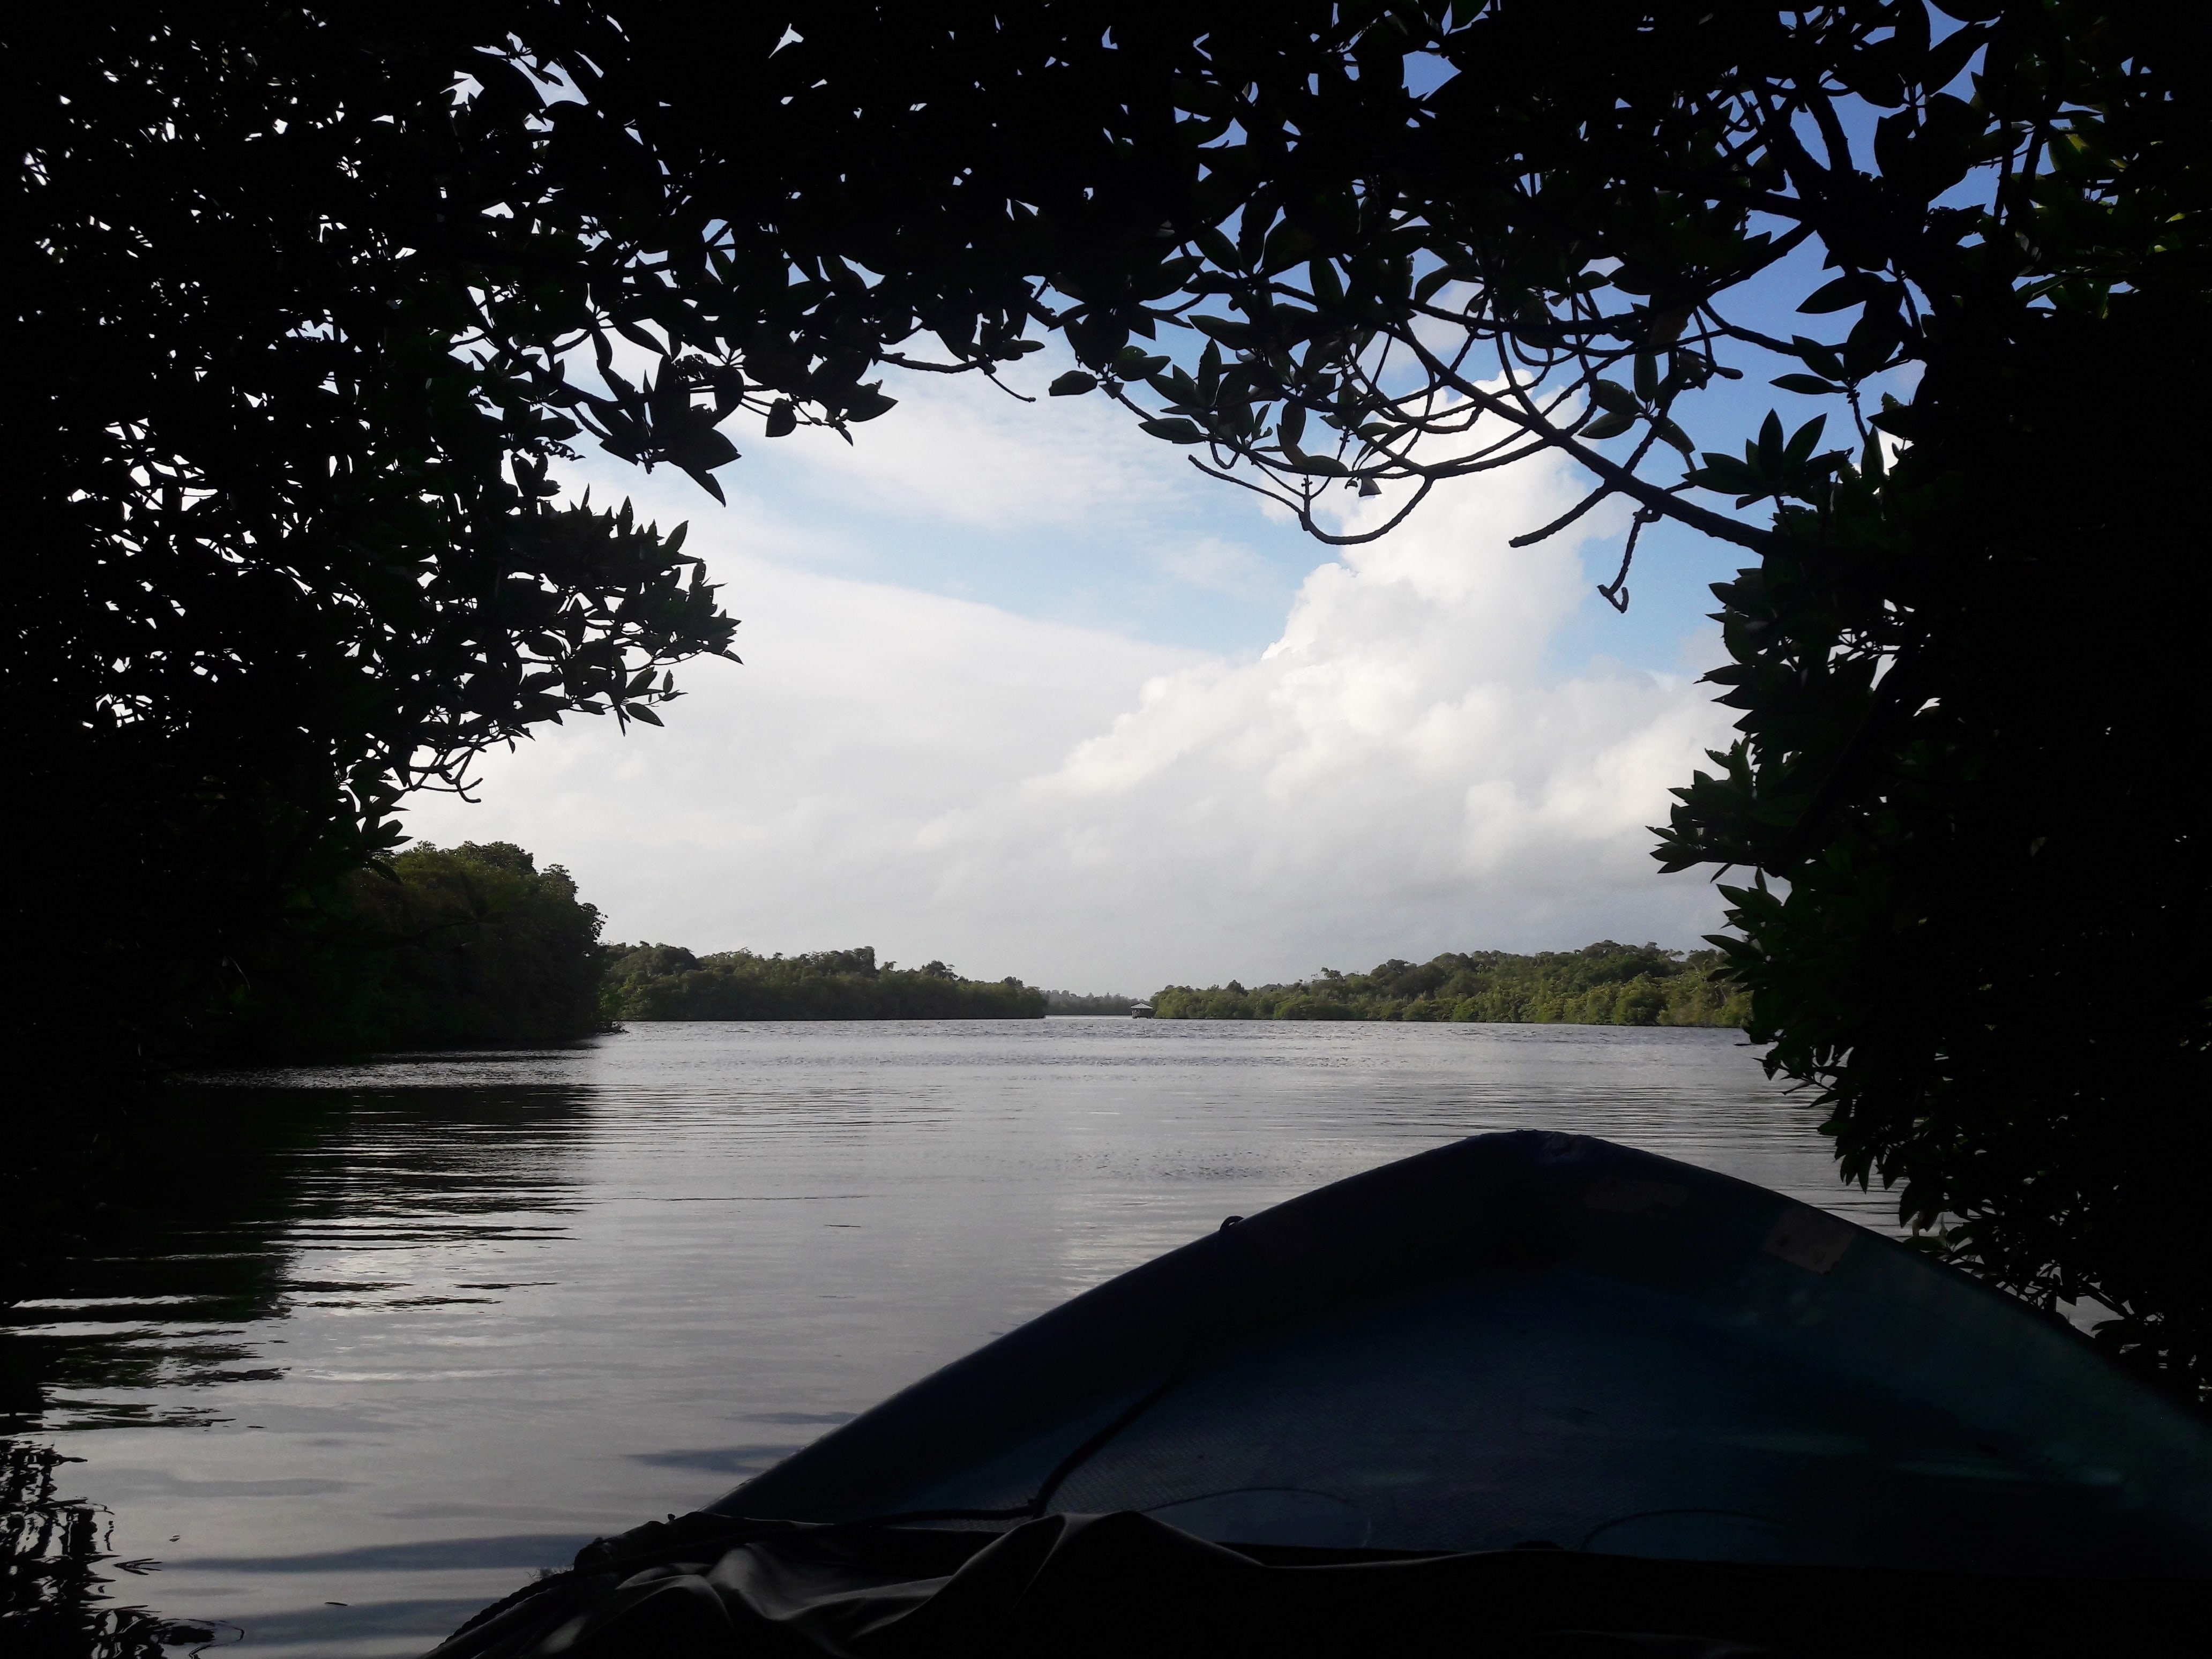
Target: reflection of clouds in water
(719, 1459)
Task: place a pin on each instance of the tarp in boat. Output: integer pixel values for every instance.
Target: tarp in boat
(1526, 1390)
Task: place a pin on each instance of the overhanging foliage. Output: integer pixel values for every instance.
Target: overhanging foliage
(319, 296)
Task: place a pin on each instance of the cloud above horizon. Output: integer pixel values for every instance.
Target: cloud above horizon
(1401, 771)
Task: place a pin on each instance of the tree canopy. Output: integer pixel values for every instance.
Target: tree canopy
(294, 315)
(470, 946)
(319, 296)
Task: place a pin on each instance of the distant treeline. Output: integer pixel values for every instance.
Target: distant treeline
(443, 947)
(474, 946)
(1600, 984)
(666, 982)
(1077, 1002)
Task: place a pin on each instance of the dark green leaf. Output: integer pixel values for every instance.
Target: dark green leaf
(1771, 445)
(1227, 330)
(1872, 341)
(1949, 56)
(1175, 430)
(1726, 474)
(1219, 249)
(1820, 359)
(1611, 396)
(704, 448)
(866, 402)
(1838, 295)
(1286, 245)
(706, 481)
(1801, 444)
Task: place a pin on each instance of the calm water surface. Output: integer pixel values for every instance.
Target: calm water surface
(400, 1334)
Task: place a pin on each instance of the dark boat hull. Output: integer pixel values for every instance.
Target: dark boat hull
(1527, 1396)
(1544, 1339)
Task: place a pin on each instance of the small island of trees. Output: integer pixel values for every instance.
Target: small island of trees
(667, 983)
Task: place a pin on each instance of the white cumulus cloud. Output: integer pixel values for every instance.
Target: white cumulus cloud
(961, 450)
(1399, 773)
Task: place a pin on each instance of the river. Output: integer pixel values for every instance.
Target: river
(386, 1338)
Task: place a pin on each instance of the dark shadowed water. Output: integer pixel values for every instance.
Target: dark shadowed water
(393, 1337)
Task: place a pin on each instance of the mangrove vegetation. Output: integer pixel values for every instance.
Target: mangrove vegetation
(433, 948)
(665, 982)
(1600, 984)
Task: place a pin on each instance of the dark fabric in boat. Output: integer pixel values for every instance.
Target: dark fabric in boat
(1076, 1586)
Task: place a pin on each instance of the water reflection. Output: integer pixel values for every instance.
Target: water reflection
(55, 1564)
(373, 1342)
(245, 1205)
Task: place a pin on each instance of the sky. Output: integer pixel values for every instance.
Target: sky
(1024, 692)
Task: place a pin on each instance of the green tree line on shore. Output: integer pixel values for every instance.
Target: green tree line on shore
(438, 948)
(474, 947)
(667, 983)
(1600, 984)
